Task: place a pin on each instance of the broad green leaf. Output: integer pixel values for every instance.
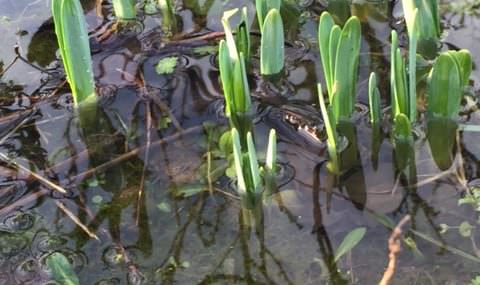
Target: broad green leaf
(441, 136)
(71, 31)
(263, 7)
(464, 61)
(62, 270)
(374, 99)
(349, 242)
(324, 33)
(444, 88)
(166, 65)
(272, 54)
(125, 9)
(402, 129)
(346, 68)
(429, 25)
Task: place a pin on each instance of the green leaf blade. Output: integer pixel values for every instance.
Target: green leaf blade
(272, 54)
(62, 270)
(349, 242)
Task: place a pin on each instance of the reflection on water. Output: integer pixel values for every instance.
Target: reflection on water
(136, 179)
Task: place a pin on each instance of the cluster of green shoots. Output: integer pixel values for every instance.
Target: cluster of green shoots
(234, 58)
(339, 50)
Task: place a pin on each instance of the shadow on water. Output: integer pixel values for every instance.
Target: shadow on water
(140, 207)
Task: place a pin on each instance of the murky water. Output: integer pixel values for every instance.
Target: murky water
(157, 133)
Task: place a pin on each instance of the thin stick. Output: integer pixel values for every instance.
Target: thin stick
(38, 177)
(146, 159)
(76, 220)
(394, 246)
(9, 66)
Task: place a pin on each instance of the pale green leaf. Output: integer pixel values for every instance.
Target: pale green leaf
(272, 54)
(62, 270)
(349, 242)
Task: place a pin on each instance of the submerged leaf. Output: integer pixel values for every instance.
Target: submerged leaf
(62, 270)
(349, 242)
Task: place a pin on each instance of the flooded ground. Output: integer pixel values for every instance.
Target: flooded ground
(144, 184)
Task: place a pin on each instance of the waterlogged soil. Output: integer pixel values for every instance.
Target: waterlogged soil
(147, 199)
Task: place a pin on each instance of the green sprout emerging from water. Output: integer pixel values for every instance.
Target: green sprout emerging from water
(446, 82)
(235, 84)
(340, 50)
(272, 44)
(248, 171)
(426, 26)
(72, 36)
(263, 7)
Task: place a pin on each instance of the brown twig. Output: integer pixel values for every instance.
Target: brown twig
(76, 220)
(146, 159)
(394, 246)
(9, 66)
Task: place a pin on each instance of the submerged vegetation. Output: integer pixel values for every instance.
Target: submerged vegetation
(254, 131)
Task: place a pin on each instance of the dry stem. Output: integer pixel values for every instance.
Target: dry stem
(394, 246)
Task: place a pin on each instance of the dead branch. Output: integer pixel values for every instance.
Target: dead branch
(394, 246)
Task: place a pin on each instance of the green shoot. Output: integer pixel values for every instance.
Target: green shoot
(374, 100)
(331, 133)
(247, 169)
(235, 84)
(446, 82)
(427, 25)
(403, 129)
(168, 14)
(398, 81)
(403, 88)
(124, 9)
(242, 39)
(71, 31)
(272, 44)
(263, 7)
(339, 51)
